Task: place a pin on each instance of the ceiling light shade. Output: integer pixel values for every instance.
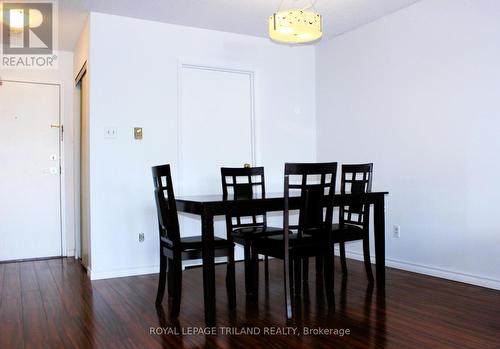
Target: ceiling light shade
(295, 26)
(16, 19)
(36, 18)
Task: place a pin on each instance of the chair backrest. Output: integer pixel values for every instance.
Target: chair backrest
(356, 179)
(244, 183)
(168, 220)
(315, 184)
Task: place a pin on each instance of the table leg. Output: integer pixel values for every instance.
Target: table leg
(379, 233)
(208, 268)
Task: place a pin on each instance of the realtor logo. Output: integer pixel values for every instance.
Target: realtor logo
(28, 34)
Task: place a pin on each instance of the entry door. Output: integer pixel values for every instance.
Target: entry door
(30, 197)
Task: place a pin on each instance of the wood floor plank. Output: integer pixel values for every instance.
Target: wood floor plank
(53, 304)
(37, 330)
(2, 270)
(129, 317)
(85, 310)
(71, 330)
(11, 322)
(27, 276)
(147, 313)
(12, 280)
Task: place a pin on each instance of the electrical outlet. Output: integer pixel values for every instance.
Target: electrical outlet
(396, 231)
(110, 132)
(141, 237)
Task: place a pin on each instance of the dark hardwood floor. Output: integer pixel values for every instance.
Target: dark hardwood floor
(52, 304)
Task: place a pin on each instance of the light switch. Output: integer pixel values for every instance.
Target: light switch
(138, 133)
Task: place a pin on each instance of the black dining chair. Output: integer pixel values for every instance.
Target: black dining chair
(314, 186)
(354, 220)
(245, 183)
(174, 249)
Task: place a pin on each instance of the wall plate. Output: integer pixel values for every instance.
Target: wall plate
(138, 133)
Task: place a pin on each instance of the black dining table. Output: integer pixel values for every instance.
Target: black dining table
(209, 206)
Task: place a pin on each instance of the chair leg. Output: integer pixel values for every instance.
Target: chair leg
(177, 286)
(328, 275)
(305, 269)
(297, 277)
(231, 279)
(170, 277)
(162, 279)
(266, 268)
(288, 264)
(254, 273)
(248, 268)
(343, 260)
(366, 256)
(319, 264)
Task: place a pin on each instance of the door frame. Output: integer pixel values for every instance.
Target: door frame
(62, 168)
(77, 165)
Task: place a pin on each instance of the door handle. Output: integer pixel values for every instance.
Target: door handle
(59, 127)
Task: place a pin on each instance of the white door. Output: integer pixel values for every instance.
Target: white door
(216, 130)
(30, 197)
(216, 126)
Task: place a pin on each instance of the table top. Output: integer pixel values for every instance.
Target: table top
(213, 198)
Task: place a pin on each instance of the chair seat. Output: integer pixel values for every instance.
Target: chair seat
(349, 232)
(246, 233)
(293, 239)
(195, 243)
(306, 245)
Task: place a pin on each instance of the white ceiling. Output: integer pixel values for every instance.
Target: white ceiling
(238, 16)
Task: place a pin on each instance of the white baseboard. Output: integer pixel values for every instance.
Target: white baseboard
(116, 273)
(70, 253)
(154, 269)
(432, 271)
(390, 262)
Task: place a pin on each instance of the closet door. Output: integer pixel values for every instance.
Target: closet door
(216, 126)
(216, 130)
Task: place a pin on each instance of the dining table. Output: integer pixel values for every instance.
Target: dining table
(210, 206)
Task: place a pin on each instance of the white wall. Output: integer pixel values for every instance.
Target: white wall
(418, 94)
(62, 76)
(82, 48)
(134, 83)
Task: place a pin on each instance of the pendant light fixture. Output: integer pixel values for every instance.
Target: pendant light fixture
(296, 25)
